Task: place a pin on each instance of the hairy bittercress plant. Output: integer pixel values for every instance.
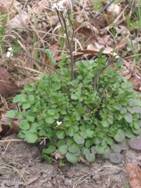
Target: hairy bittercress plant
(82, 117)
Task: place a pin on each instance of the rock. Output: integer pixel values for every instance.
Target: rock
(135, 143)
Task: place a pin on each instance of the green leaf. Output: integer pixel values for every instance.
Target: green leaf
(134, 102)
(136, 126)
(83, 134)
(49, 150)
(29, 88)
(31, 98)
(31, 137)
(101, 149)
(120, 136)
(70, 131)
(20, 98)
(89, 133)
(60, 134)
(69, 142)
(105, 124)
(129, 134)
(93, 149)
(89, 142)
(72, 158)
(25, 125)
(109, 141)
(115, 158)
(47, 157)
(123, 110)
(128, 117)
(78, 139)
(51, 112)
(89, 155)
(74, 148)
(136, 131)
(136, 109)
(30, 118)
(50, 56)
(49, 120)
(85, 150)
(25, 106)
(63, 149)
(12, 114)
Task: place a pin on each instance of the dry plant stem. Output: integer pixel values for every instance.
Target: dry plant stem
(10, 8)
(11, 140)
(131, 6)
(25, 4)
(5, 165)
(29, 69)
(69, 46)
(3, 153)
(69, 42)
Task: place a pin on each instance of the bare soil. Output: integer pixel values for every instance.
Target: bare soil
(22, 167)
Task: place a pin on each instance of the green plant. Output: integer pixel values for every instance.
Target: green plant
(16, 47)
(82, 117)
(134, 22)
(97, 5)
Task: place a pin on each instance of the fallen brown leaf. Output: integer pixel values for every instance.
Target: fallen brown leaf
(7, 127)
(122, 43)
(21, 20)
(7, 86)
(97, 48)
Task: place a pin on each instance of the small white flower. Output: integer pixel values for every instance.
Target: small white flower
(10, 49)
(59, 123)
(9, 52)
(58, 7)
(63, 5)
